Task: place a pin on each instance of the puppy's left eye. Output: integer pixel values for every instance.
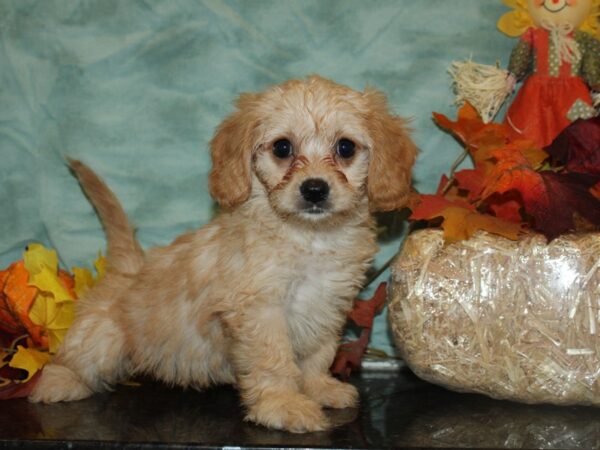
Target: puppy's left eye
(346, 148)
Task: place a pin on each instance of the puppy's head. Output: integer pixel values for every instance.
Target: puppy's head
(315, 149)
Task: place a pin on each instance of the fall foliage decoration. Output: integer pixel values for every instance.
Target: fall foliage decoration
(37, 306)
(350, 354)
(514, 187)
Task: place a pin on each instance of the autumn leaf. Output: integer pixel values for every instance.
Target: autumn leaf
(83, 280)
(550, 198)
(16, 389)
(100, 266)
(471, 180)
(30, 360)
(350, 354)
(595, 191)
(54, 317)
(514, 185)
(478, 137)
(431, 206)
(506, 206)
(16, 298)
(42, 265)
(461, 223)
(577, 147)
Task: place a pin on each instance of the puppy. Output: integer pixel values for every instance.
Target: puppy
(258, 297)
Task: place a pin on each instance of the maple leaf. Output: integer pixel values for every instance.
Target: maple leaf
(16, 298)
(461, 220)
(577, 147)
(462, 223)
(471, 180)
(510, 187)
(349, 355)
(550, 198)
(595, 191)
(506, 206)
(28, 359)
(54, 317)
(83, 279)
(478, 137)
(53, 309)
(42, 265)
(431, 206)
(12, 389)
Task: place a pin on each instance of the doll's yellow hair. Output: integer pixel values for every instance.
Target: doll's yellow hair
(514, 23)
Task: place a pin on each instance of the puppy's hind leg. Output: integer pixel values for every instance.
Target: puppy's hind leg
(90, 360)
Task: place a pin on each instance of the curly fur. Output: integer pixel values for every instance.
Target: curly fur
(258, 297)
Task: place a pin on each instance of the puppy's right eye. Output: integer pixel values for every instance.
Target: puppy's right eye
(282, 149)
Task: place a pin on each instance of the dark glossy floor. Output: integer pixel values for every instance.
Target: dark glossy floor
(397, 411)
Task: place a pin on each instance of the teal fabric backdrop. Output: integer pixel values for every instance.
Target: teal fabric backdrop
(135, 88)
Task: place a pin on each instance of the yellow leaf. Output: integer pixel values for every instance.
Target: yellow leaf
(55, 318)
(30, 360)
(83, 280)
(43, 309)
(42, 265)
(100, 265)
(37, 256)
(48, 281)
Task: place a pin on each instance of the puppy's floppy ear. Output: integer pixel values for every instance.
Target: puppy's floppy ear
(230, 179)
(392, 155)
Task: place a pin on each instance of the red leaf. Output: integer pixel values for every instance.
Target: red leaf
(349, 355)
(569, 193)
(19, 390)
(550, 198)
(444, 180)
(577, 147)
(471, 180)
(506, 206)
(364, 311)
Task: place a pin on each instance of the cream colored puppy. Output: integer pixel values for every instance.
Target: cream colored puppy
(258, 297)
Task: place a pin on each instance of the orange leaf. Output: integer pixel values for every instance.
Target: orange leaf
(477, 136)
(18, 297)
(432, 206)
(596, 191)
(506, 206)
(461, 223)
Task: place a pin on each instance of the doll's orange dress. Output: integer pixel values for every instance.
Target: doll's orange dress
(554, 92)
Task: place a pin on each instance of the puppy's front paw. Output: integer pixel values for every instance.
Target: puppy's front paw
(330, 392)
(292, 412)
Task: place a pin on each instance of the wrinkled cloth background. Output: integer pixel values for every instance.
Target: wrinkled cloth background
(135, 88)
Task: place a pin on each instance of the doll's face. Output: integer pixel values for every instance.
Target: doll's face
(559, 12)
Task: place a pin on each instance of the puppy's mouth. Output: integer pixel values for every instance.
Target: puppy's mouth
(314, 210)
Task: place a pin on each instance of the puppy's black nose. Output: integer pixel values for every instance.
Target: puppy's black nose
(314, 190)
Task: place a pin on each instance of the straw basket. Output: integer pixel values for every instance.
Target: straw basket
(512, 320)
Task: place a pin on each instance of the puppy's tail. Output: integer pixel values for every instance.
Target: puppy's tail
(124, 252)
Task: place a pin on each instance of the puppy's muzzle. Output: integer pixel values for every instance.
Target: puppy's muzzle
(315, 195)
(315, 190)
